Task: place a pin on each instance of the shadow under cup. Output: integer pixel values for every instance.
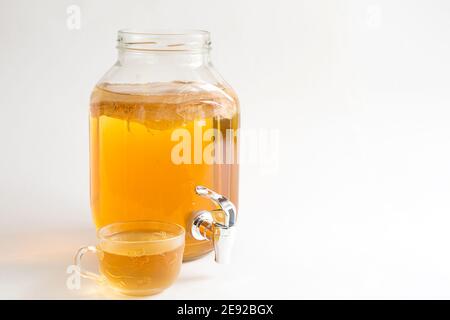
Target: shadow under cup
(138, 258)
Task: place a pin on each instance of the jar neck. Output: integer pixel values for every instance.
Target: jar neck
(161, 58)
(177, 48)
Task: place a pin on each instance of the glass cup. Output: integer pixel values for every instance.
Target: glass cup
(136, 258)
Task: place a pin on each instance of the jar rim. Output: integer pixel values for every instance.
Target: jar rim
(163, 40)
(165, 32)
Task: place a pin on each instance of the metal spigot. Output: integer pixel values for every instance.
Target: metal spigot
(205, 227)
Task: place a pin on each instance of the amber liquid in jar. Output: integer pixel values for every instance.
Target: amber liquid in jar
(133, 132)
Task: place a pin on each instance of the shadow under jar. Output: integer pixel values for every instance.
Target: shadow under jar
(162, 122)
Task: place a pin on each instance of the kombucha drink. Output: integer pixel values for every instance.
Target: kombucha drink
(141, 262)
(133, 132)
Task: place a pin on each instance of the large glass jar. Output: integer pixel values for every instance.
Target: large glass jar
(162, 121)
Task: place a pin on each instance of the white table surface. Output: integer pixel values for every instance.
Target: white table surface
(302, 259)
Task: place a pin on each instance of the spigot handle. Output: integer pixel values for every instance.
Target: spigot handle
(205, 227)
(225, 205)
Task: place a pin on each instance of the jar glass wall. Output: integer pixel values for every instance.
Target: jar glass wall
(162, 121)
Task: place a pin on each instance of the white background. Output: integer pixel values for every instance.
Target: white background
(358, 91)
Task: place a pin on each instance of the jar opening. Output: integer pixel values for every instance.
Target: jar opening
(164, 40)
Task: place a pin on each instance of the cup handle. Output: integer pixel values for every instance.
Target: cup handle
(77, 260)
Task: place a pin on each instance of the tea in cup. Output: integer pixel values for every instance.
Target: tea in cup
(136, 258)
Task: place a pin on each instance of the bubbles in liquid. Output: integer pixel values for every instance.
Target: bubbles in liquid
(141, 243)
(141, 236)
(165, 105)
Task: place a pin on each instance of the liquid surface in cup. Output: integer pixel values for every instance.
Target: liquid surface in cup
(141, 262)
(133, 176)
